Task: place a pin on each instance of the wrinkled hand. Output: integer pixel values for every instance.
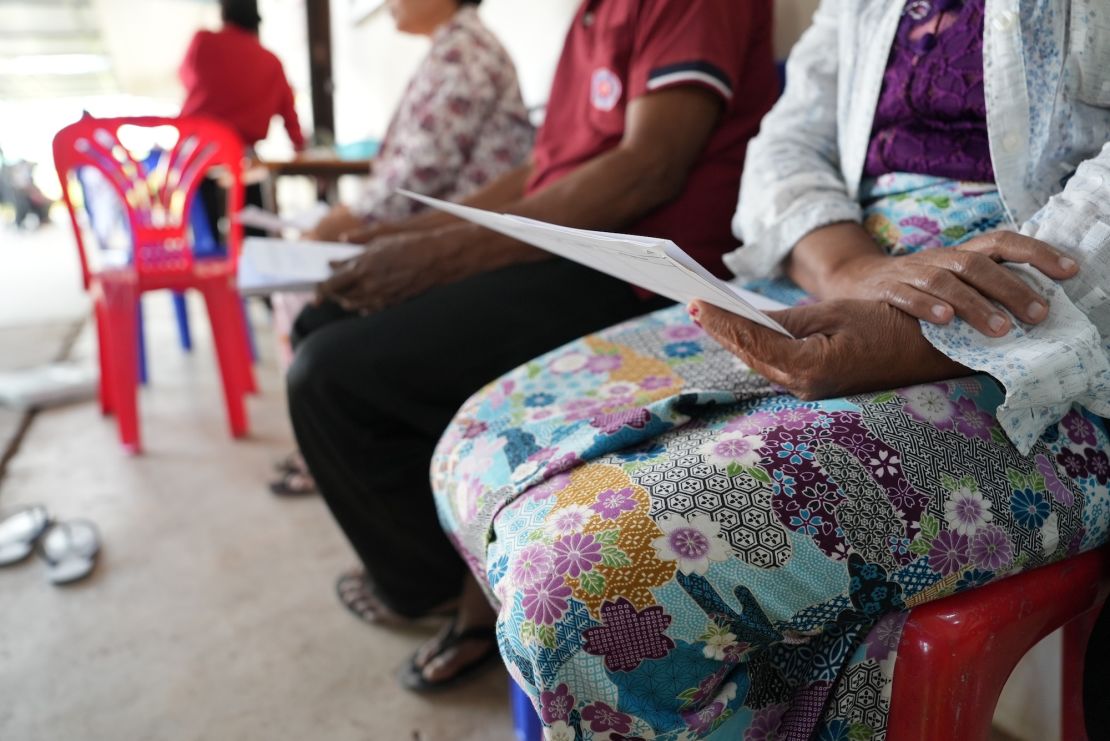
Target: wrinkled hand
(364, 234)
(391, 270)
(335, 223)
(936, 285)
(843, 347)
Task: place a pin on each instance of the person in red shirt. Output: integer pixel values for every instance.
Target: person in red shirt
(647, 124)
(228, 75)
(611, 61)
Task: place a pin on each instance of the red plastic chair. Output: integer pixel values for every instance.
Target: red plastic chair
(158, 202)
(957, 653)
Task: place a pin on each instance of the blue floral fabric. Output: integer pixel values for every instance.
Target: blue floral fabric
(681, 551)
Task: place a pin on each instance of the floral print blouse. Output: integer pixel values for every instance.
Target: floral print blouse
(1047, 84)
(460, 124)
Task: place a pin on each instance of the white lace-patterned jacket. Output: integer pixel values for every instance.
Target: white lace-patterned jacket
(1047, 81)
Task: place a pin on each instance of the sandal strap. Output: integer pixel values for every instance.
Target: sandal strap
(412, 676)
(454, 637)
(294, 483)
(356, 593)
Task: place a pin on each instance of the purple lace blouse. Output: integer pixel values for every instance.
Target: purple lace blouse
(932, 113)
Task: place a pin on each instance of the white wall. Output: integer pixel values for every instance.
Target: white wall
(792, 17)
(147, 41)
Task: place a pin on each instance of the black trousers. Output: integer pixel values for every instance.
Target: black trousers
(369, 397)
(214, 199)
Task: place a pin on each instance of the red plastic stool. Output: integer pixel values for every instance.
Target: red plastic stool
(957, 653)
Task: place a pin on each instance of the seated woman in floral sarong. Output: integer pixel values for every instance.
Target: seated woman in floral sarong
(703, 528)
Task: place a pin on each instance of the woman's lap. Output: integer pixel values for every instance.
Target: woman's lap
(637, 574)
(679, 548)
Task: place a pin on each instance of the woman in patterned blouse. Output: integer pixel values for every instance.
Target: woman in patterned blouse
(460, 125)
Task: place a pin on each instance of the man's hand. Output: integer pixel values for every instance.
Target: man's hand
(366, 233)
(391, 270)
(843, 347)
(336, 222)
(969, 281)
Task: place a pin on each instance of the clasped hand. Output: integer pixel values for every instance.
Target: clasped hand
(865, 336)
(966, 281)
(390, 270)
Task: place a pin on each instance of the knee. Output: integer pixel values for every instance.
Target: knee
(307, 377)
(327, 370)
(312, 317)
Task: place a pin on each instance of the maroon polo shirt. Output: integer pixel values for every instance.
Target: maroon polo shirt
(618, 50)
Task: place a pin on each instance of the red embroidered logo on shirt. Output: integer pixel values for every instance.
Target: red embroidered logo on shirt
(605, 89)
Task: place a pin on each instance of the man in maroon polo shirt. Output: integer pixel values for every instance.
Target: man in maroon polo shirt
(620, 51)
(649, 117)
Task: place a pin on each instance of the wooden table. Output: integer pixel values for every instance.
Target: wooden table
(326, 172)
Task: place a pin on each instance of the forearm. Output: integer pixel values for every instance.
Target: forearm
(497, 196)
(665, 135)
(607, 193)
(623, 187)
(818, 261)
(291, 121)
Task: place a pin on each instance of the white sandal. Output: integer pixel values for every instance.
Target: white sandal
(70, 550)
(19, 531)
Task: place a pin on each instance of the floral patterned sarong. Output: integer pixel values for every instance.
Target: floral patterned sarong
(681, 551)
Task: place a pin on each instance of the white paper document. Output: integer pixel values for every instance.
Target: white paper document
(269, 265)
(657, 265)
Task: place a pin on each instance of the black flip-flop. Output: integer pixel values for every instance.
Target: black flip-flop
(294, 484)
(412, 676)
(19, 531)
(70, 550)
(358, 594)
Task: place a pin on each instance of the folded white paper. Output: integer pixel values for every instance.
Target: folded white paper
(269, 265)
(657, 265)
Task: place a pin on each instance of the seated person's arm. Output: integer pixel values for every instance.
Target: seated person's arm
(795, 213)
(665, 133)
(497, 196)
(288, 113)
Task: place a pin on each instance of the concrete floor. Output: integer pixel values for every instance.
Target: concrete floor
(211, 614)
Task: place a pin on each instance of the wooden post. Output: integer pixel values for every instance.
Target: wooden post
(319, 67)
